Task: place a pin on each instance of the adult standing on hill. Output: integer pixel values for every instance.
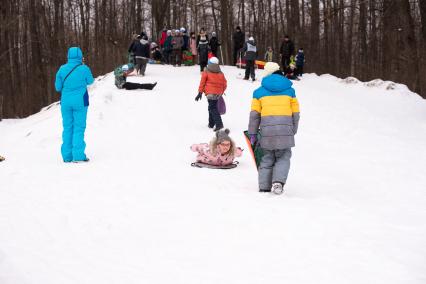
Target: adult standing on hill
(286, 51)
(72, 80)
(203, 49)
(177, 44)
(145, 54)
(238, 39)
(250, 56)
(214, 45)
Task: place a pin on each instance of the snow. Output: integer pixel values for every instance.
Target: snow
(354, 210)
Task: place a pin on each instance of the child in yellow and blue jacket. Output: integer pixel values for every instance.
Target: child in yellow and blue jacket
(275, 113)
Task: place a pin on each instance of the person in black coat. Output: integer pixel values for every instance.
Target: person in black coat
(238, 40)
(300, 62)
(185, 39)
(250, 56)
(214, 44)
(136, 39)
(203, 49)
(286, 51)
(142, 54)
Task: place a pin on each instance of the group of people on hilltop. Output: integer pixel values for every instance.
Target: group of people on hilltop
(292, 65)
(176, 47)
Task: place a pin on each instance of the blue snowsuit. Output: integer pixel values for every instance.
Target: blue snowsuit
(74, 104)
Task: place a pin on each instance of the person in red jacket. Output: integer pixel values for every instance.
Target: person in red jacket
(213, 85)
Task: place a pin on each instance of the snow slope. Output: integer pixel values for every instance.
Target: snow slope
(354, 209)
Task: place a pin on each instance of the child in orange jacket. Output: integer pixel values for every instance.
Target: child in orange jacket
(213, 85)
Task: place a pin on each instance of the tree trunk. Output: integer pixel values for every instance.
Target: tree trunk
(399, 45)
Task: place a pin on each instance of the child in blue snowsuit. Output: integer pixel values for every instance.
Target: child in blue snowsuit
(72, 80)
(300, 61)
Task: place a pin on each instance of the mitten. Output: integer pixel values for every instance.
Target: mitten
(198, 97)
(253, 139)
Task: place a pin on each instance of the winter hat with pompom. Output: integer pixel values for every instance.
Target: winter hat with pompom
(125, 67)
(222, 135)
(213, 60)
(270, 67)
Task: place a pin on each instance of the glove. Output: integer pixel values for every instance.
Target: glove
(198, 97)
(253, 139)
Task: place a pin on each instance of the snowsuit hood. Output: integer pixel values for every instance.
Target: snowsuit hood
(75, 55)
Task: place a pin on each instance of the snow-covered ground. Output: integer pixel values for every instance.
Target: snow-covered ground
(354, 210)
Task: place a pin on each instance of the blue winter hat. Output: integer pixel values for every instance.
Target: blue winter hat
(125, 67)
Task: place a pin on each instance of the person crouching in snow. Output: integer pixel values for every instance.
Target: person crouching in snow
(213, 85)
(275, 111)
(291, 72)
(220, 152)
(122, 72)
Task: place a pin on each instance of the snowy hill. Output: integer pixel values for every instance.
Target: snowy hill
(354, 209)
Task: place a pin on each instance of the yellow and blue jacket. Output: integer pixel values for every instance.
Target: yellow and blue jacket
(275, 111)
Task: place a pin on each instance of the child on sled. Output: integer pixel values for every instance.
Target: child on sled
(220, 152)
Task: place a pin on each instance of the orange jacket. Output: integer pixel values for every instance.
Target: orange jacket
(212, 83)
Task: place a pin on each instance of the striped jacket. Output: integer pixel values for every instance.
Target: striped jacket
(275, 110)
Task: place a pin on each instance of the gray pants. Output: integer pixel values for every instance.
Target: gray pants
(274, 167)
(141, 64)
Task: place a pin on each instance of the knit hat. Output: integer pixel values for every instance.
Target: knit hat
(169, 32)
(125, 67)
(222, 135)
(177, 31)
(213, 34)
(182, 30)
(213, 60)
(270, 67)
(251, 38)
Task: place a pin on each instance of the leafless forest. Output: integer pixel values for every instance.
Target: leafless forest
(366, 39)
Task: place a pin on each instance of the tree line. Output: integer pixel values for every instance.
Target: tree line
(367, 39)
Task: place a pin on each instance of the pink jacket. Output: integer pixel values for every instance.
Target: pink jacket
(193, 46)
(206, 157)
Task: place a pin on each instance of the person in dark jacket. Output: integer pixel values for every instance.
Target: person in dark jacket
(214, 44)
(291, 72)
(135, 40)
(238, 40)
(167, 50)
(286, 51)
(144, 55)
(185, 38)
(156, 55)
(140, 52)
(203, 49)
(300, 61)
(202, 34)
(250, 56)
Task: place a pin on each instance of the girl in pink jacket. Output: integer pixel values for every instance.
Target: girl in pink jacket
(220, 152)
